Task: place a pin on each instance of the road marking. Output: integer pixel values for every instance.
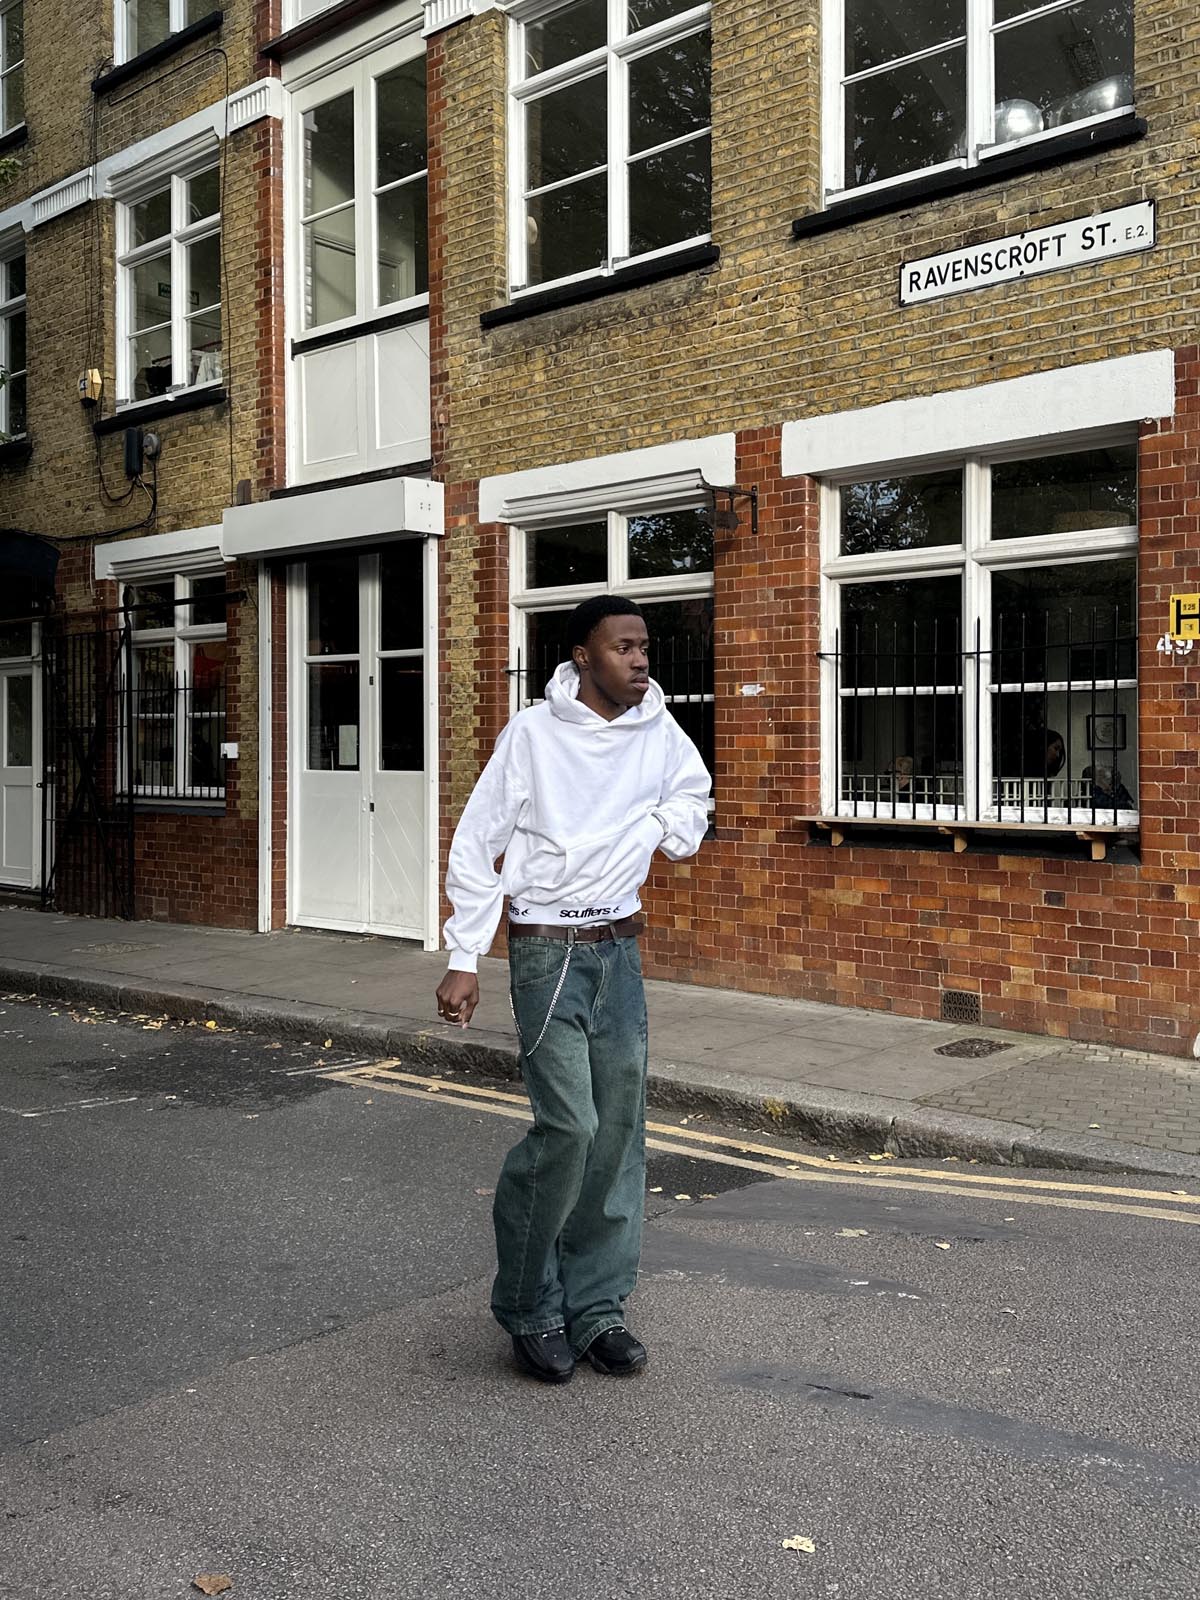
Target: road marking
(72, 1105)
(1004, 1191)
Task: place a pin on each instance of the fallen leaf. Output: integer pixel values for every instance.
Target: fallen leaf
(272, 1047)
(1179, 1191)
(327, 1045)
(875, 1158)
(683, 1197)
(485, 1191)
(212, 1582)
(211, 1024)
(799, 1542)
(657, 1189)
(940, 1244)
(852, 1233)
(1093, 1124)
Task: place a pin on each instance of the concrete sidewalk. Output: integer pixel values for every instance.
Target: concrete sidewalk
(847, 1078)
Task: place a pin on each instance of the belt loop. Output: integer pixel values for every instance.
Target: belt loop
(570, 932)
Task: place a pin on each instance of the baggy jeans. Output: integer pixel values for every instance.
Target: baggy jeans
(571, 1196)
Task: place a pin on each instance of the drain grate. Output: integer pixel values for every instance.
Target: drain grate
(971, 1048)
(960, 1005)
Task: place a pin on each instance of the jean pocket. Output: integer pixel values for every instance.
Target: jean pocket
(533, 961)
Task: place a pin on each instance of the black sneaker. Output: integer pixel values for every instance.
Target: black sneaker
(545, 1356)
(616, 1353)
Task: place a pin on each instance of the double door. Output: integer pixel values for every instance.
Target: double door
(361, 708)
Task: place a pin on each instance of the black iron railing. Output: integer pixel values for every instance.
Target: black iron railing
(1037, 725)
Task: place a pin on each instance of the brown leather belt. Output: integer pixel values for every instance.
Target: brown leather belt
(592, 933)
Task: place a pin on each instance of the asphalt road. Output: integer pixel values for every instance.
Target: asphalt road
(243, 1330)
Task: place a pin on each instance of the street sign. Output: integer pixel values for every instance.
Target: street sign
(1185, 616)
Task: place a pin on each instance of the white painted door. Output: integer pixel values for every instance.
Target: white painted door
(361, 700)
(20, 824)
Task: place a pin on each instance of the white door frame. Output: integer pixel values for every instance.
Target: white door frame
(297, 734)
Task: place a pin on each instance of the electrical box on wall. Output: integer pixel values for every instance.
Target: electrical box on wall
(90, 385)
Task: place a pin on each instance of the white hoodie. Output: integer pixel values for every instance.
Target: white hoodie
(577, 806)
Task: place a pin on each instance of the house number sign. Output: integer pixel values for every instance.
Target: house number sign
(1020, 255)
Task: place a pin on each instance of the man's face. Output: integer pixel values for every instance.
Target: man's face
(616, 659)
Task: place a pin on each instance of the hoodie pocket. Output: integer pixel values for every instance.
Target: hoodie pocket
(614, 863)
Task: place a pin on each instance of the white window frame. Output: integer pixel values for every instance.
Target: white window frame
(615, 56)
(123, 26)
(977, 37)
(183, 234)
(183, 635)
(359, 78)
(10, 308)
(6, 124)
(973, 561)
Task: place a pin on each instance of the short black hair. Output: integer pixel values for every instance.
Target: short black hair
(588, 614)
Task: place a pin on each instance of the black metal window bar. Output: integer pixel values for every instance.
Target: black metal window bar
(684, 674)
(1054, 709)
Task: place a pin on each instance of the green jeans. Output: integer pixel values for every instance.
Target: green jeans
(570, 1198)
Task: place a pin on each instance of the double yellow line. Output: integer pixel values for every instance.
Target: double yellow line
(1155, 1205)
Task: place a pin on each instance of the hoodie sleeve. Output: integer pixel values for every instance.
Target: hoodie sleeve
(682, 809)
(483, 833)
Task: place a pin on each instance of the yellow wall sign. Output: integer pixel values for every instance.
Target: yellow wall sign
(1185, 616)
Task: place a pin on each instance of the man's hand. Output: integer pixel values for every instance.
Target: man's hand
(457, 997)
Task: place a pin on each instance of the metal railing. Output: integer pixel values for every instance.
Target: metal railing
(175, 730)
(1036, 725)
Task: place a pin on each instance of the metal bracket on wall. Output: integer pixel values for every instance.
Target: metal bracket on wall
(724, 507)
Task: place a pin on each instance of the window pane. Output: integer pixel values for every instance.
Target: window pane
(902, 513)
(402, 714)
(152, 292)
(208, 677)
(149, 23)
(14, 397)
(206, 714)
(567, 230)
(329, 260)
(566, 132)
(400, 122)
(150, 363)
(558, 556)
(669, 196)
(401, 595)
(19, 722)
(403, 243)
(1065, 494)
(333, 716)
(204, 195)
(204, 272)
(1067, 747)
(207, 607)
(571, 32)
(16, 638)
(644, 13)
(151, 605)
(669, 92)
(14, 36)
(897, 752)
(1074, 622)
(154, 717)
(1073, 64)
(151, 218)
(16, 342)
(545, 648)
(16, 278)
(681, 646)
(901, 634)
(333, 606)
(204, 347)
(670, 542)
(14, 98)
(329, 152)
(881, 30)
(904, 120)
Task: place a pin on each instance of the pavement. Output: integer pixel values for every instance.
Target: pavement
(845, 1078)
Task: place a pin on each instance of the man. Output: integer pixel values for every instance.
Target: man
(580, 792)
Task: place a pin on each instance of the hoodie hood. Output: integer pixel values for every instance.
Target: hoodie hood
(562, 696)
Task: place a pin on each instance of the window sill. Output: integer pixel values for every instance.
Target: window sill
(14, 138)
(1099, 837)
(572, 294)
(106, 82)
(1070, 146)
(137, 411)
(324, 23)
(359, 330)
(16, 452)
(149, 805)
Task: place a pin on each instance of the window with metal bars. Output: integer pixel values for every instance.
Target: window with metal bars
(979, 642)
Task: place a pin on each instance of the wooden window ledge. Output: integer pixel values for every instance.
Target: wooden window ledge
(1098, 836)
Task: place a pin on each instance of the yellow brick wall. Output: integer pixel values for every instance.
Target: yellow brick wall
(783, 328)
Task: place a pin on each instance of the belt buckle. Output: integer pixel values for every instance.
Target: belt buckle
(570, 933)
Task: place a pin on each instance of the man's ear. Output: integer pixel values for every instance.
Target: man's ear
(579, 656)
